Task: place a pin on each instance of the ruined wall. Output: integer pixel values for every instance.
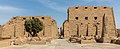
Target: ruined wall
(90, 21)
(54, 29)
(15, 27)
(118, 31)
(66, 29)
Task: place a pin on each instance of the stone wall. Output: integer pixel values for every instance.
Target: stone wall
(90, 21)
(118, 31)
(15, 27)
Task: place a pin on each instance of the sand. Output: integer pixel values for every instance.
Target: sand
(63, 44)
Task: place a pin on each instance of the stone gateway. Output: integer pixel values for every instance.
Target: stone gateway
(96, 22)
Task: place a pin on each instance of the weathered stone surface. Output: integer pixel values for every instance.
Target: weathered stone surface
(90, 22)
(30, 40)
(15, 27)
(118, 31)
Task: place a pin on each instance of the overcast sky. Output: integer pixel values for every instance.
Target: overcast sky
(55, 8)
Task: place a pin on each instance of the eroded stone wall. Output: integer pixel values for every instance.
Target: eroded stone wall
(90, 21)
(15, 27)
(118, 31)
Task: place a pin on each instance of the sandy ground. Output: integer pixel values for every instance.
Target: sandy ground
(5, 43)
(63, 44)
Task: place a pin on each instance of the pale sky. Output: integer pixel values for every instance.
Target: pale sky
(55, 8)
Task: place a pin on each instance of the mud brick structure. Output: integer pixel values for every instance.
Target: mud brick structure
(15, 27)
(90, 21)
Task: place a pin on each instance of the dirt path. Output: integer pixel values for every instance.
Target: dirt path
(4, 43)
(63, 44)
